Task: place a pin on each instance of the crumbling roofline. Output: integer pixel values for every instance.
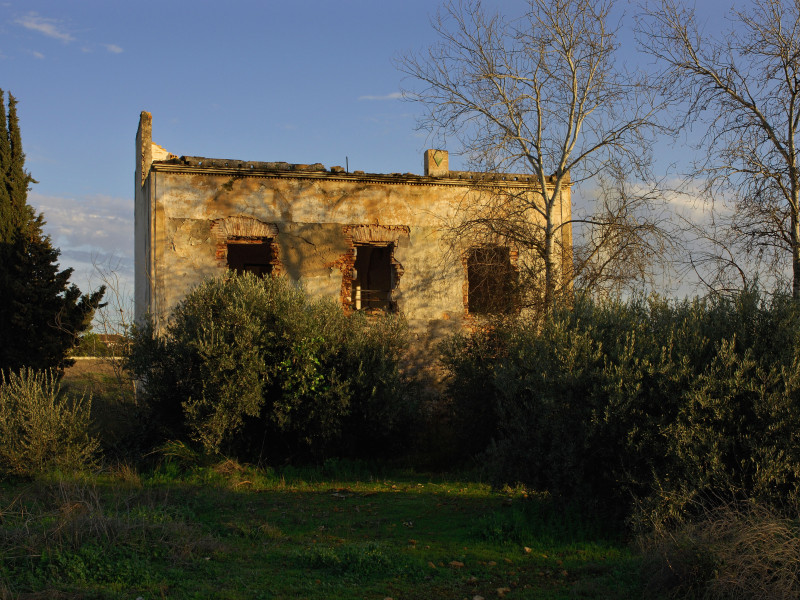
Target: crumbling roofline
(238, 168)
(247, 165)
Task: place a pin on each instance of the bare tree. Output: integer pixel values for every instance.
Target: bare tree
(743, 86)
(542, 94)
(113, 320)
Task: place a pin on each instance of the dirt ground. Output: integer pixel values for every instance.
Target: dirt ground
(98, 377)
(87, 367)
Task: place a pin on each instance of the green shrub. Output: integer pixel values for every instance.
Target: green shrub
(647, 402)
(355, 562)
(255, 367)
(471, 360)
(41, 428)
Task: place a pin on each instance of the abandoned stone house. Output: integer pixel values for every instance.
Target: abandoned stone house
(373, 242)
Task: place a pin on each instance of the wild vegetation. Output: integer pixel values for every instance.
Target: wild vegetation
(678, 419)
(341, 530)
(673, 423)
(649, 403)
(40, 427)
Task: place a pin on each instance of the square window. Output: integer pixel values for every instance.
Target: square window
(251, 256)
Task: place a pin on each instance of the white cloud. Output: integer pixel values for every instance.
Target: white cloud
(100, 224)
(95, 237)
(689, 202)
(53, 28)
(49, 27)
(392, 96)
(38, 55)
(89, 266)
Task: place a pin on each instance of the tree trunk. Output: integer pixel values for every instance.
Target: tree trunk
(795, 240)
(549, 266)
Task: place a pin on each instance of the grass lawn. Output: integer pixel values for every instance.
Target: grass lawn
(227, 531)
(182, 528)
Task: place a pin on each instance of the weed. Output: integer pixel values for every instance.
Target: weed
(539, 520)
(80, 535)
(178, 452)
(126, 474)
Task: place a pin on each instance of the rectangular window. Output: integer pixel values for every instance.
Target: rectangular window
(252, 256)
(373, 278)
(490, 279)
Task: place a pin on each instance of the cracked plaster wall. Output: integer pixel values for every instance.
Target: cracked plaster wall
(311, 216)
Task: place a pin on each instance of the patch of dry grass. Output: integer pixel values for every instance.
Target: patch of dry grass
(735, 551)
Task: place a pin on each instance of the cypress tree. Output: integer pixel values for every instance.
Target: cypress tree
(17, 179)
(41, 313)
(7, 219)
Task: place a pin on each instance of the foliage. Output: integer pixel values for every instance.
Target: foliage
(92, 344)
(649, 402)
(471, 360)
(254, 366)
(118, 421)
(76, 535)
(41, 428)
(41, 314)
(357, 563)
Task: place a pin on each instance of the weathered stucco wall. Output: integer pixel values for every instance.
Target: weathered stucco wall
(313, 217)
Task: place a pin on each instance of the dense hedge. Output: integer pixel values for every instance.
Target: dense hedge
(257, 369)
(650, 402)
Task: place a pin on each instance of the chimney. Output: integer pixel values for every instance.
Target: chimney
(436, 163)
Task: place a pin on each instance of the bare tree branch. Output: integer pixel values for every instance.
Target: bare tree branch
(543, 95)
(743, 86)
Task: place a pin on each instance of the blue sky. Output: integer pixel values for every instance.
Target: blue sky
(295, 80)
(301, 81)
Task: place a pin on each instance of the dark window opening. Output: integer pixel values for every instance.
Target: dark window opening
(490, 280)
(373, 278)
(251, 256)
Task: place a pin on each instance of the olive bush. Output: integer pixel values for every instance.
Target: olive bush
(257, 368)
(647, 403)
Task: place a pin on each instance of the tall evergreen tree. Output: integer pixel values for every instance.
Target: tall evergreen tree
(7, 219)
(41, 313)
(17, 179)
